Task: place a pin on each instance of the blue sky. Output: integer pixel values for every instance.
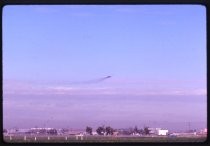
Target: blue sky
(156, 51)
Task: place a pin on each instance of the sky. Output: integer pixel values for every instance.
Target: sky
(56, 60)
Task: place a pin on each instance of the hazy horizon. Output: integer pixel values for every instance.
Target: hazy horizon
(120, 66)
(92, 111)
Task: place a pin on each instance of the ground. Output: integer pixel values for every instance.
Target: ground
(73, 139)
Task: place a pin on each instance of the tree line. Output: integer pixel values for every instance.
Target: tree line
(102, 130)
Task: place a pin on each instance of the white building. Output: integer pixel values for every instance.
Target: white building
(203, 131)
(162, 132)
(154, 130)
(94, 133)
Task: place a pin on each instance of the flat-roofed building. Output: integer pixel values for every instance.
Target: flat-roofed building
(162, 132)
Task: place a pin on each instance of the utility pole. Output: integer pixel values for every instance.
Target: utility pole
(189, 126)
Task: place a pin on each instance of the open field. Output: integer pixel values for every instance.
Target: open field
(73, 139)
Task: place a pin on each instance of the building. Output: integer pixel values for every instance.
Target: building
(94, 133)
(158, 131)
(154, 131)
(12, 131)
(203, 131)
(51, 131)
(76, 132)
(162, 132)
(63, 131)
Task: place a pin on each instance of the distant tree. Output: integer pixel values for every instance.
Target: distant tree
(146, 130)
(16, 129)
(141, 131)
(100, 130)
(130, 130)
(135, 130)
(64, 130)
(43, 131)
(125, 132)
(109, 130)
(89, 130)
(52, 132)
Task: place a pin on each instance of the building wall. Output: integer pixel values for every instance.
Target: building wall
(162, 132)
